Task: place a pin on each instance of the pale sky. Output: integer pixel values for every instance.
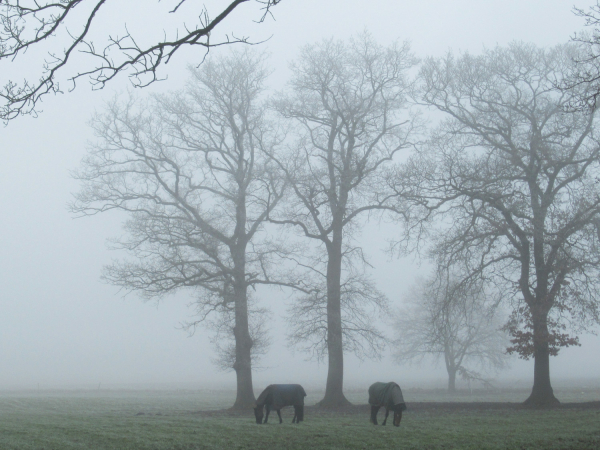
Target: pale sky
(61, 327)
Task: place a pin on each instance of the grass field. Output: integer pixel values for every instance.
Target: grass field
(197, 420)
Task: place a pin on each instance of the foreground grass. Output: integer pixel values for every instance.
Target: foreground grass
(104, 423)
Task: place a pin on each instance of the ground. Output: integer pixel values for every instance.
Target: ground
(187, 420)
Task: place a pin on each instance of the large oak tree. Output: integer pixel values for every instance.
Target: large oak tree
(347, 109)
(191, 173)
(511, 179)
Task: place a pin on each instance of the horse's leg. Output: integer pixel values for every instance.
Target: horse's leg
(268, 408)
(374, 410)
(387, 413)
(279, 414)
(295, 419)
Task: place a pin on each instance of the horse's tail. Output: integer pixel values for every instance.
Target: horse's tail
(302, 391)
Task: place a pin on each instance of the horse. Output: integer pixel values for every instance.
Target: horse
(276, 396)
(390, 396)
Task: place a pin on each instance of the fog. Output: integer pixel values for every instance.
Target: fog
(60, 327)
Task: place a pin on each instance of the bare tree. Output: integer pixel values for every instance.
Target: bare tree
(513, 176)
(191, 172)
(70, 27)
(347, 103)
(454, 320)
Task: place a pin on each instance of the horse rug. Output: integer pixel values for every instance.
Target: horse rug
(386, 394)
(279, 395)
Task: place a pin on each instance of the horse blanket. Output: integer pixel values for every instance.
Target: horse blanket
(386, 394)
(279, 395)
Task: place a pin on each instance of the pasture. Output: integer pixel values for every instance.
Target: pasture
(187, 420)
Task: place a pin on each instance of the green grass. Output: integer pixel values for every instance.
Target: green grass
(109, 420)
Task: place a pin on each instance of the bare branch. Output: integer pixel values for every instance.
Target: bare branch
(28, 24)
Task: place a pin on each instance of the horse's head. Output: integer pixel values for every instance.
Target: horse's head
(258, 413)
(397, 415)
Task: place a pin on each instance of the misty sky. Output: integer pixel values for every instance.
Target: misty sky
(61, 327)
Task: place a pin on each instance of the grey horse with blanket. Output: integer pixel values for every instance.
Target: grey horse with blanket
(276, 396)
(388, 395)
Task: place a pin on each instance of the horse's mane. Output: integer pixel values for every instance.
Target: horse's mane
(262, 398)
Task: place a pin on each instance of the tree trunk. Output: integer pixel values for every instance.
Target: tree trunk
(450, 360)
(451, 380)
(243, 342)
(334, 395)
(542, 393)
(243, 364)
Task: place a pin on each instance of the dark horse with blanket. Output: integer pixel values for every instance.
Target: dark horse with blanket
(390, 396)
(276, 396)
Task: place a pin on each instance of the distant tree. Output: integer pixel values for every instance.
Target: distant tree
(453, 320)
(191, 172)
(346, 106)
(70, 27)
(511, 178)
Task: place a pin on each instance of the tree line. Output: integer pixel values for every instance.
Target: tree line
(499, 188)
(228, 187)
